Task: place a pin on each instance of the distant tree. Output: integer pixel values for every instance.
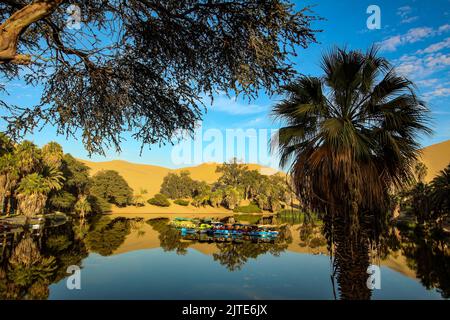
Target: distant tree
(215, 198)
(77, 175)
(232, 173)
(76, 184)
(28, 157)
(177, 186)
(112, 187)
(202, 198)
(139, 199)
(62, 201)
(231, 198)
(149, 75)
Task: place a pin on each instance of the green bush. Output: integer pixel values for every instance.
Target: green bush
(181, 202)
(159, 200)
(251, 208)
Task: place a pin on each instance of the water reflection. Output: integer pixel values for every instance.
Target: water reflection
(32, 260)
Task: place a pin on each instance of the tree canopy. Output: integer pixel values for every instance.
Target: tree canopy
(143, 66)
(112, 187)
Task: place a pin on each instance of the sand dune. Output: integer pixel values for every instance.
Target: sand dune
(150, 177)
(436, 157)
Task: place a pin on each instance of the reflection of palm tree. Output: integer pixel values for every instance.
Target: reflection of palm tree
(430, 259)
(107, 235)
(349, 140)
(169, 238)
(235, 255)
(27, 265)
(351, 261)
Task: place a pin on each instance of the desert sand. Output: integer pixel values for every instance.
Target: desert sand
(436, 157)
(150, 177)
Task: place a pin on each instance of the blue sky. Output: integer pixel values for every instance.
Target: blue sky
(414, 36)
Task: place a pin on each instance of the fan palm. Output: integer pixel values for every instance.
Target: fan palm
(28, 157)
(34, 188)
(83, 207)
(351, 134)
(440, 195)
(52, 155)
(8, 180)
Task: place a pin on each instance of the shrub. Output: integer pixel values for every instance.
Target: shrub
(181, 202)
(251, 208)
(159, 200)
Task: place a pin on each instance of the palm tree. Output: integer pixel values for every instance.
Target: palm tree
(83, 207)
(8, 180)
(52, 155)
(28, 157)
(33, 191)
(440, 194)
(350, 138)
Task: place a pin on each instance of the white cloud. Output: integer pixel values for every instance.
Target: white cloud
(414, 66)
(444, 28)
(413, 35)
(427, 82)
(436, 46)
(409, 19)
(231, 105)
(438, 92)
(404, 13)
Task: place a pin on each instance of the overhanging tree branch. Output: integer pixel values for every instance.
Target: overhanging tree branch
(13, 27)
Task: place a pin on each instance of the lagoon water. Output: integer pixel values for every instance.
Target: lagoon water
(146, 259)
(155, 274)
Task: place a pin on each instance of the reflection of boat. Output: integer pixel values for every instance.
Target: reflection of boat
(218, 231)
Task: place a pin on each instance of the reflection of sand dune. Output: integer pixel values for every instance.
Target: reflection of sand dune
(143, 238)
(147, 238)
